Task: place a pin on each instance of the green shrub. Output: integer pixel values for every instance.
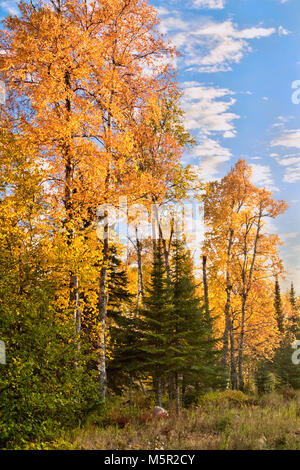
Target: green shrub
(227, 398)
(42, 388)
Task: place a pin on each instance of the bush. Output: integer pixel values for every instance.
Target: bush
(41, 389)
(228, 398)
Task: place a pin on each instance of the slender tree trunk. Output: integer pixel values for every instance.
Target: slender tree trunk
(103, 299)
(227, 305)
(68, 203)
(102, 314)
(141, 290)
(205, 285)
(171, 387)
(165, 244)
(159, 391)
(177, 393)
(130, 393)
(247, 284)
(233, 371)
(227, 329)
(75, 300)
(241, 346)
(142, 387)
(166, 255)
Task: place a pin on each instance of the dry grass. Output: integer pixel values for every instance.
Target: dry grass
(222, 421)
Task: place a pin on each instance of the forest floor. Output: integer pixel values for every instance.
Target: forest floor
(222, 421)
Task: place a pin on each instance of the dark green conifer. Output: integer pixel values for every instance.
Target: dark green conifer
(278, 307)
(157, 325)
(194, 356)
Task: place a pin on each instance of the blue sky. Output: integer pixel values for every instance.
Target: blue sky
(239, 61)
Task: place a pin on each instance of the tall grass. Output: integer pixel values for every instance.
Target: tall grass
(228, 420)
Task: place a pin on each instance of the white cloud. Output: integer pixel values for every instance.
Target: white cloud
(207, 113)
(211, 46)
(288, 236)
(262, 177)
(291, 162)
(211, 155)
(211, 4)
(282, 31)
(10, 7)
(289, 138)
(208, 109)
(292, 174)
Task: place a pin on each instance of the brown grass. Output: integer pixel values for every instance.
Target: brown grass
(221, 421)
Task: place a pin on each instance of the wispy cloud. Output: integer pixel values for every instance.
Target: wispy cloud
(211, 154)
(207, 108)
(211, 4)
(208, 115)
(288, 139)
(10, 6)
(282, 31)
(211, 46)
(262, 177)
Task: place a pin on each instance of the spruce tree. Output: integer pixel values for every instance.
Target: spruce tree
(278, 307)
(122, 331)
(292, 297)
(194, 356)
(157, 325)
(294, 319)
(118, 286)
(287, 373)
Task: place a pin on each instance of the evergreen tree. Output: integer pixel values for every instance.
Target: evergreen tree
(264, 379)
(194, 356)
(287, 373)
(278, 307)
(122, 328)
(118, 286)
(294, 319)
(157, 325)
(293, 298)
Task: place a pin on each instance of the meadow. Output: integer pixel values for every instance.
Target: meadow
(222, 421)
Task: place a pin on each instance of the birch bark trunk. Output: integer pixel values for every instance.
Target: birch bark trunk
(68, 203)
(247, 284)
(227, 305)
(102, 314)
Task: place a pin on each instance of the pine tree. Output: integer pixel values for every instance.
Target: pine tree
(157, 325)
(122, 328)
(287, 373)
(194, 357)
(278, 307)
(118, 285)
(264, 379)
(294, 320)
(292, 296)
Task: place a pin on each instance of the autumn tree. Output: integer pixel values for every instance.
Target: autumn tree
(77, 74)
(41, 390)
(240, 247)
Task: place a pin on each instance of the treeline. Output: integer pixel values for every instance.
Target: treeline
(92, 116)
